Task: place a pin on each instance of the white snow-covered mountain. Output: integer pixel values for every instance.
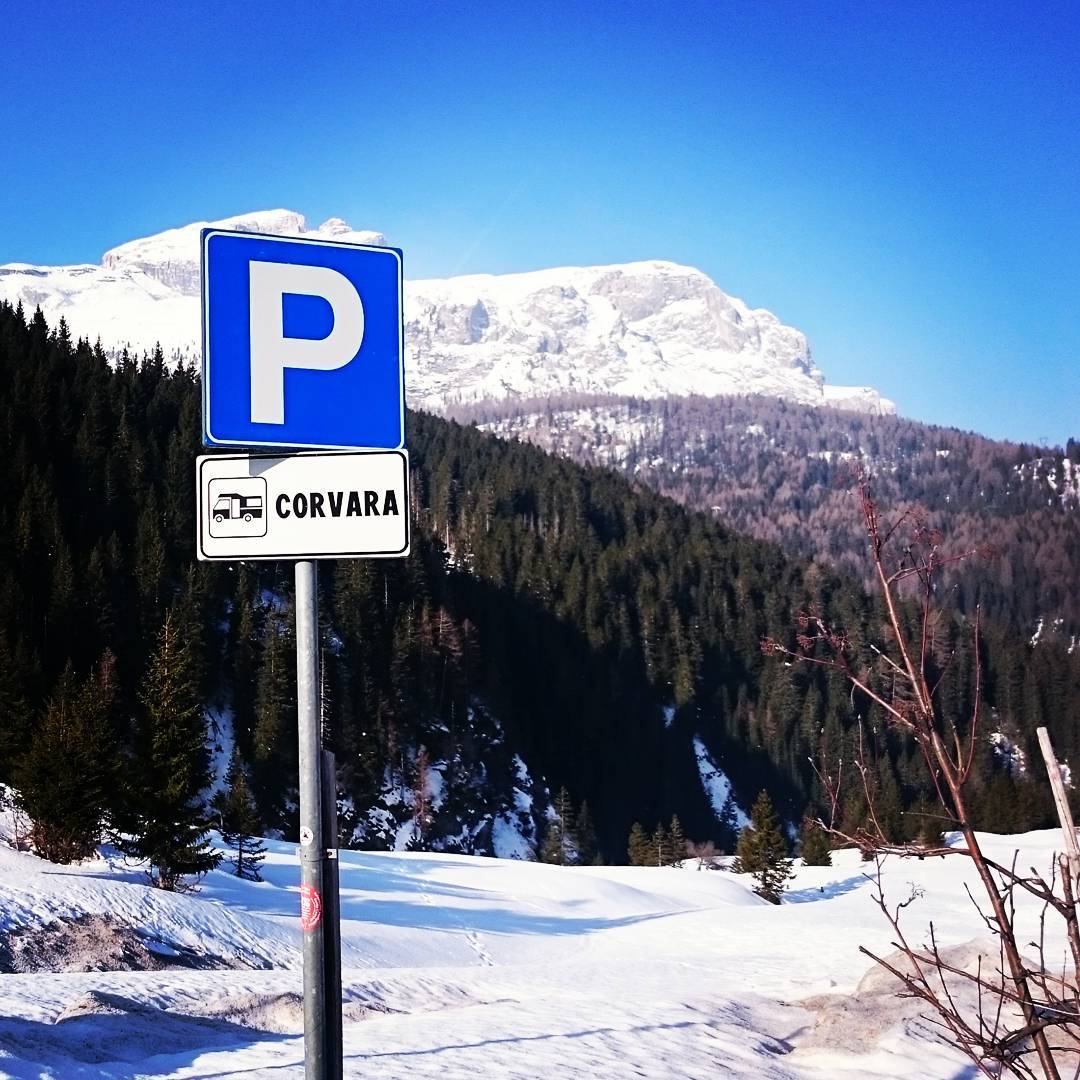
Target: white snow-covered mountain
(648, 329)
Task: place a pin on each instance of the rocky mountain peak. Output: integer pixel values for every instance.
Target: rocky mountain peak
(650, 329)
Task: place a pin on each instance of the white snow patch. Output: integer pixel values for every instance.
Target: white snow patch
(508, 841)
(718, 788)
(219, 724)
(405, 834)
(523, 800)
(1010, 754)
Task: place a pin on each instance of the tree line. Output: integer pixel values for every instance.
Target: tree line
(549, 613)
(781, 471)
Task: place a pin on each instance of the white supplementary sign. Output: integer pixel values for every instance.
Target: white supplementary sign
(304, 506)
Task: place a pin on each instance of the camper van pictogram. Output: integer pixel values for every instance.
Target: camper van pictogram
(236, 506)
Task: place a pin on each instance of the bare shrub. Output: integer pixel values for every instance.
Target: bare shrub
(1019, 1016)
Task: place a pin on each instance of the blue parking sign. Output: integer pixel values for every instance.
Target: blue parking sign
(302, 343)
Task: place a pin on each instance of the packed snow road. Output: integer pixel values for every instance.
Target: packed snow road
(469, 967)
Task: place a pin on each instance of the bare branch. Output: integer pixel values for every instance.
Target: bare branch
(1025, 1002)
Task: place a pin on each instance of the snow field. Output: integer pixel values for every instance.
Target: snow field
(466, 967)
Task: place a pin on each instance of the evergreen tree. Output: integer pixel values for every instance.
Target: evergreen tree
(240, 821)
(242, 655)
(14, 714)
(763, 852)
(423, 814)
(150, 563)
(585, 836)
(274, 754)
(637, 848)
(677, 841)
(728, 821)
(888, 808)
(814, 844)
(67, 776)
(660, 851)
(559, 845)
(671, 604)
(924, 823)
(168, 823)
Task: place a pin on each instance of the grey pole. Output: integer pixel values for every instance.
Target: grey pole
(332, 919)
(312, 851)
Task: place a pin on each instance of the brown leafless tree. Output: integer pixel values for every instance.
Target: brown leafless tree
(704, 851)
(1023, 1017)
(423, 816)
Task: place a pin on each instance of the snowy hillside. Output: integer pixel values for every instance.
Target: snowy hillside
(467, 967)
(147, 291)
(648, 328)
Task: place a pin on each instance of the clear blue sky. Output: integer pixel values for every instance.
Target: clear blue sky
(901, 181)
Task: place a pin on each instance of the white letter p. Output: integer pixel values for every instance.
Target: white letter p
(272, 352)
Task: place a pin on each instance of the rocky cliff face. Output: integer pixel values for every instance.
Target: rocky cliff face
(649, 329)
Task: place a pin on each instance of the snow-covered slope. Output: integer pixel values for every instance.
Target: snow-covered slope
(649, 329)
(465, 967)
(172, 257)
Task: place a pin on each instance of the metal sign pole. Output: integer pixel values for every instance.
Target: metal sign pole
(312, 850)
(352, 502)
(332, 918)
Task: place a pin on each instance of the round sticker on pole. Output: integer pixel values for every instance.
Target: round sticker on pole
(310, 908)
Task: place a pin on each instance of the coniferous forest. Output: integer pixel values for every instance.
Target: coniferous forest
(783, 472)
(556, 626)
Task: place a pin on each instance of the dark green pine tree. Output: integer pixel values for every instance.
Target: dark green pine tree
(814, 844)
(559, 847)
(67, 776)
(637, 847)
(14, 713)
(888, 806)
(242, 655)
(274, 751)
(168, 820)
(677, 841)
(585, 837)
(763, 852)
(240, 821)
(925, 824)
(150, 563)
(660, 851)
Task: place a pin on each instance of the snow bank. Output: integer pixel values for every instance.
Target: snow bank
(466, 967)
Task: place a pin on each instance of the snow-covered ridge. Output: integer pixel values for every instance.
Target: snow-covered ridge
(649, 329)
(172, 257)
